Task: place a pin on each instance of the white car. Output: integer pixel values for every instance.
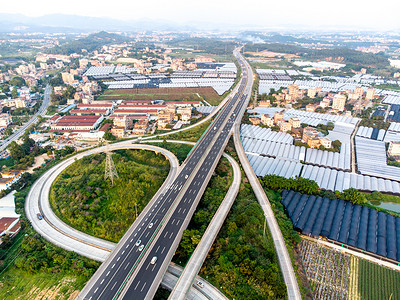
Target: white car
(200, 284)
(150, 225)
(138, 243)
(141, 247)
(153, 260)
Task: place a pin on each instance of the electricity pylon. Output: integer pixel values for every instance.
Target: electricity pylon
(110, 170)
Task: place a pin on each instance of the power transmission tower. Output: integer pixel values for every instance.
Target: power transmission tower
(110, 170)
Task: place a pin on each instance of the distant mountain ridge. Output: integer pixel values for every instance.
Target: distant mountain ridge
(72, 23)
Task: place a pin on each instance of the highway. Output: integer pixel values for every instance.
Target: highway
(128, 273)
(192, 268)
(20, 131)
(285, 262)
(62, 235)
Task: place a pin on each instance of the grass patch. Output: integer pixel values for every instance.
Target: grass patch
(17, 283)
(377, 196)
(167, 94)
(377, 282)
(181, 151)
(82, 199)
(190, 135)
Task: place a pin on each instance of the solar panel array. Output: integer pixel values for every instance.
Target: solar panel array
(341, 221)
(371, 133)
(371, 159)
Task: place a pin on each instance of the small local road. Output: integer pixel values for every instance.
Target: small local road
(20, 131)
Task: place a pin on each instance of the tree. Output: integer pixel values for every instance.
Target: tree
(16, 151)
(5, 89)
(353, 196)
(14, 93)
(109, 136)
(336, 144)
(17, 81)
(57, 80)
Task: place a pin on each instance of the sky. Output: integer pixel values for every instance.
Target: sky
(316, 14)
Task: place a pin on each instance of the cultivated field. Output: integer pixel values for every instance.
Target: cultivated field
(335, 275)
(175, 94)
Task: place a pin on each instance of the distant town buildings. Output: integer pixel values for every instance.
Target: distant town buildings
(339, 102)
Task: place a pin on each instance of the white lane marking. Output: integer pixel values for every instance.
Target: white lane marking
(127, 265)
(173, 221)
(118, 258)
(179, 210)
(162, 251)
(137, 285)
(135, 235)
(147, 234)
(143, 286)
(165, 234)
(177, 223)
(184, 210)
(102, 281)
(96, 290)
(113, 266)
(114, 285)
(171, 235)
(123, 252)
(157, 249)
(108, 273)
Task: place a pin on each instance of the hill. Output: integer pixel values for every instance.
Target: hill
(92, 42)
(342, 55)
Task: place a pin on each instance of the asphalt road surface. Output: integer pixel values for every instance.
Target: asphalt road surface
(20, 131)
(160, 230)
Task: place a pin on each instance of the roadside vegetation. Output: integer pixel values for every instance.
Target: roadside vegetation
(309, 187)
(190, 135)
(209, 203)
(33, 268)
(179, 150)
(83, 199)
